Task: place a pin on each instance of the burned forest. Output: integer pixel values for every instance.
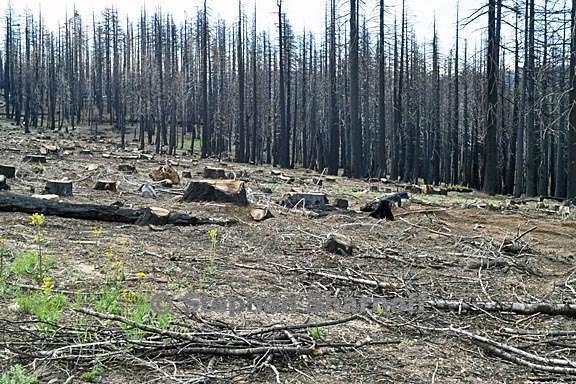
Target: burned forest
(288, 191)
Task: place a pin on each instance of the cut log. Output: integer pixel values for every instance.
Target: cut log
(35, 159)
(49, 148)
(8, 170)
(59, 187)
(431, 190)
(13, 202)
(165, 172)
(214, 173)
(3, 184)
(127, 168)
(381, 208)
(306, 200)
(339, 244)
(221, 191)
(47, 197)
(260, 214)
(106, 185)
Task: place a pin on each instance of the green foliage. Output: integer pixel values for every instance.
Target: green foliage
(26, 264)
(315, 333)
(45, 307)
(17, 375)
(95, 373)
(379, 310)
(108, 301)
(213, 235)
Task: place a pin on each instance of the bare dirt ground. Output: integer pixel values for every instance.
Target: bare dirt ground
(438, 248)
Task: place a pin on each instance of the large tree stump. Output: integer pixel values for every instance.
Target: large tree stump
(59, 187)
(221, 191)
(214, 173)
(8, 170)
(305, 199)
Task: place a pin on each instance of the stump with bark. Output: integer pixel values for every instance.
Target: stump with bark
(305, 199)
(59, 187)
(220, 191)
(8, 170)
(215, 173)
(106, 185)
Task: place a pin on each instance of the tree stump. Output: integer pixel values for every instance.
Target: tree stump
(342, 203)
(187, 174)
(221, 191)
(106, 185)
(127, 168)
(214, 173)
(3, 184)
(8, 170)
(339, 244)
(154, 216)
(59, 187)
(306, 200)
(35, 159)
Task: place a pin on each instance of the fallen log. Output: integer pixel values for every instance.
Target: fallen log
(13, 202)
(551, 309)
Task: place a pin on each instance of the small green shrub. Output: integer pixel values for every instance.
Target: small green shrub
(17, 375)
(95, 373)
(45, 307)
(27, 264)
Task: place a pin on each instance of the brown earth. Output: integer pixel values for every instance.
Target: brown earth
(440, 249)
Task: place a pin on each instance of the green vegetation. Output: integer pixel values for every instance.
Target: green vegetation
(315, 333)
(17, 375)
(95, 373)
(28, 263)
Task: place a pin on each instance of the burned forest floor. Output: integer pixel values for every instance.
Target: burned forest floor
(265, 301)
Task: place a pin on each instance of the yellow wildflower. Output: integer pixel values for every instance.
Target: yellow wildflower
(109, 255)
(122, 242)
(2, 242)
(140, 275)
(38, 238)
(47, 285)
(128, 296)
(97, 232)
(37, 219)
